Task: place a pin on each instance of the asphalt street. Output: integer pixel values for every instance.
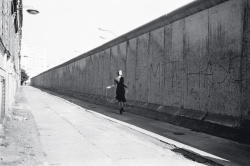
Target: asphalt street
(72, 135)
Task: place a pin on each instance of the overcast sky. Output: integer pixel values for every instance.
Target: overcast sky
(66, 28)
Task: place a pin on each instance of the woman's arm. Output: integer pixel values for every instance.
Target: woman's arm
(113, 85)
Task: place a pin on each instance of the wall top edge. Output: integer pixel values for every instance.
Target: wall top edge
(185, 11)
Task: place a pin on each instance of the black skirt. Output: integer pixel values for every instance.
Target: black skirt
(120, 93)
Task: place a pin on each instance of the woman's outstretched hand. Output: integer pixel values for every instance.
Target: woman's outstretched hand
(109, 87)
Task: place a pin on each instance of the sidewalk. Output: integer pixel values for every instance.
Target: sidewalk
(218, 150)
(19, 139)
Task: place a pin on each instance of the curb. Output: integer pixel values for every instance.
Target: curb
(189, 152)
(194, 120)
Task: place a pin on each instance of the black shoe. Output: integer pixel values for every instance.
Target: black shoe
(121, 111)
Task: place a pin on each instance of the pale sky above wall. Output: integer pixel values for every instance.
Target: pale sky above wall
(66, 28)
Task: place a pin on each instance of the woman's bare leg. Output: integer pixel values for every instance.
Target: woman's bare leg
(120, 105)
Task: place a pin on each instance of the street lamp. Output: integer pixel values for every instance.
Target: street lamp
(106, 31)
(32, 11)
(101, 37)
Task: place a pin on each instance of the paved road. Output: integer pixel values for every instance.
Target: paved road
(212, 149)
(72, 136)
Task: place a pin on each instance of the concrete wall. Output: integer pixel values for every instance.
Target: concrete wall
(190, 59)
(245, 105)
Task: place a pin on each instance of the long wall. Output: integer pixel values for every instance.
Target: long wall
(194, 58)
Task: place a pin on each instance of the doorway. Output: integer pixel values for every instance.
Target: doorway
(2, 98)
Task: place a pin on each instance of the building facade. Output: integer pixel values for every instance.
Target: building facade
(10, 47)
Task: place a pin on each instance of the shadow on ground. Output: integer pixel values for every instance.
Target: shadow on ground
(153, 126)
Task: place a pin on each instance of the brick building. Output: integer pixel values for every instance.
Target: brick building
(10, 46)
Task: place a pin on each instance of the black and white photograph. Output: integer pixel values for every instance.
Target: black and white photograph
(124, 83)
